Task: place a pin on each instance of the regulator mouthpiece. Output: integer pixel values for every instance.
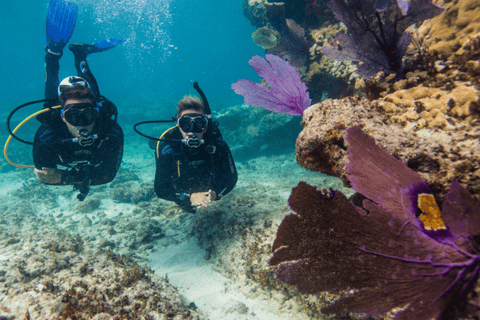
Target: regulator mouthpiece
(193, 141)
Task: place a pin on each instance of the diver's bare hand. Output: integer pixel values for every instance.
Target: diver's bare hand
(203, 199)
(49, 175)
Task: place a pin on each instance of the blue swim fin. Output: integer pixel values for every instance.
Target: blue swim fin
(108, 44)
(61, 20)
(82, 50)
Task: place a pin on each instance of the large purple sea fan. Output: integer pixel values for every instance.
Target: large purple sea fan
(397, 251)
(377, 34)
(382, 5)
(292, 45)
(286, 93)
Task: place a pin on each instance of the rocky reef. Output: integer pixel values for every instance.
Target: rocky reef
(448, 42)
(48, 273)
(426, 116)
(440, 156)
(429, 118)
(454, 32)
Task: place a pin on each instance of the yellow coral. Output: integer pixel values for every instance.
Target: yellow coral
(436, 106)
(430, 217)
(447, 32)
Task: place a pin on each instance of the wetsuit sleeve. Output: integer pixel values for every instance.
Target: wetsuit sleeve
(165, 172)
(45, 153)
(225, 171)
(111, 153)
(52, 66)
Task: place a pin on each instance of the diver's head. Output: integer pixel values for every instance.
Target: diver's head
(191, 119)
(74, 87)
(79, 110)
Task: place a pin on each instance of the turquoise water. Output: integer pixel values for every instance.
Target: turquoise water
(168, 44)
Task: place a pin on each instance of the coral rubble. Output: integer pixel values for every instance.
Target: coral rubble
(53, 275)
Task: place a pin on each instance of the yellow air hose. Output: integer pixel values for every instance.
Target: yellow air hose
(174, 215)
(15, 131)
(158, 143)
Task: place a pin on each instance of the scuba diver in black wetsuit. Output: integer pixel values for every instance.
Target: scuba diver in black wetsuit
(83, 147)
(198, 171)
(194, 165)
(79, 142)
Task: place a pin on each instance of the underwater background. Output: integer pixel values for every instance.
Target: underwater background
(169, 43)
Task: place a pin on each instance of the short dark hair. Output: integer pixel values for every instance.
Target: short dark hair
(76, 92)
(190, 103)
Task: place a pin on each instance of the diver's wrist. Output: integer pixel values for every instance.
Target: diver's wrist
(183, 196)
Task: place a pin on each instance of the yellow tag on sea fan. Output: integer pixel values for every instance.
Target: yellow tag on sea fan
(430, 216)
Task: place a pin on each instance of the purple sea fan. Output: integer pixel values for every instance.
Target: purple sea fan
(377, 34)
(286, 93)
(397, 251)
(382, 5)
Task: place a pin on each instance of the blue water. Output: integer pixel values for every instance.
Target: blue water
(168, 44)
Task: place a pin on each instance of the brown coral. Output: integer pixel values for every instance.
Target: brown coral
(439, 156)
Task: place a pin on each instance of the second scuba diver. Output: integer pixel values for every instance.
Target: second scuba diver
(81, 144)
(194, 165)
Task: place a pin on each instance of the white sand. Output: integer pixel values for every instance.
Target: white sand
(199, 283)
(8, 184)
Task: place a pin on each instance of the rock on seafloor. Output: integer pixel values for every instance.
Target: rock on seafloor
(440, 156)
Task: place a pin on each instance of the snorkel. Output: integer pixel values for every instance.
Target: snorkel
(208, 112)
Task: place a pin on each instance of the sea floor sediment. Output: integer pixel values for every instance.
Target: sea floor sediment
(116, 255)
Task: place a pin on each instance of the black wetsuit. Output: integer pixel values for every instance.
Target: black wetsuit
(98, 162)
(184, 170)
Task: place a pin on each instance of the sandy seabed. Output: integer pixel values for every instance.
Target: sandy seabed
(116, 255)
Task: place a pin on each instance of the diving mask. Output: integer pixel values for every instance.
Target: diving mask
(192, 123)
(80, 114)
